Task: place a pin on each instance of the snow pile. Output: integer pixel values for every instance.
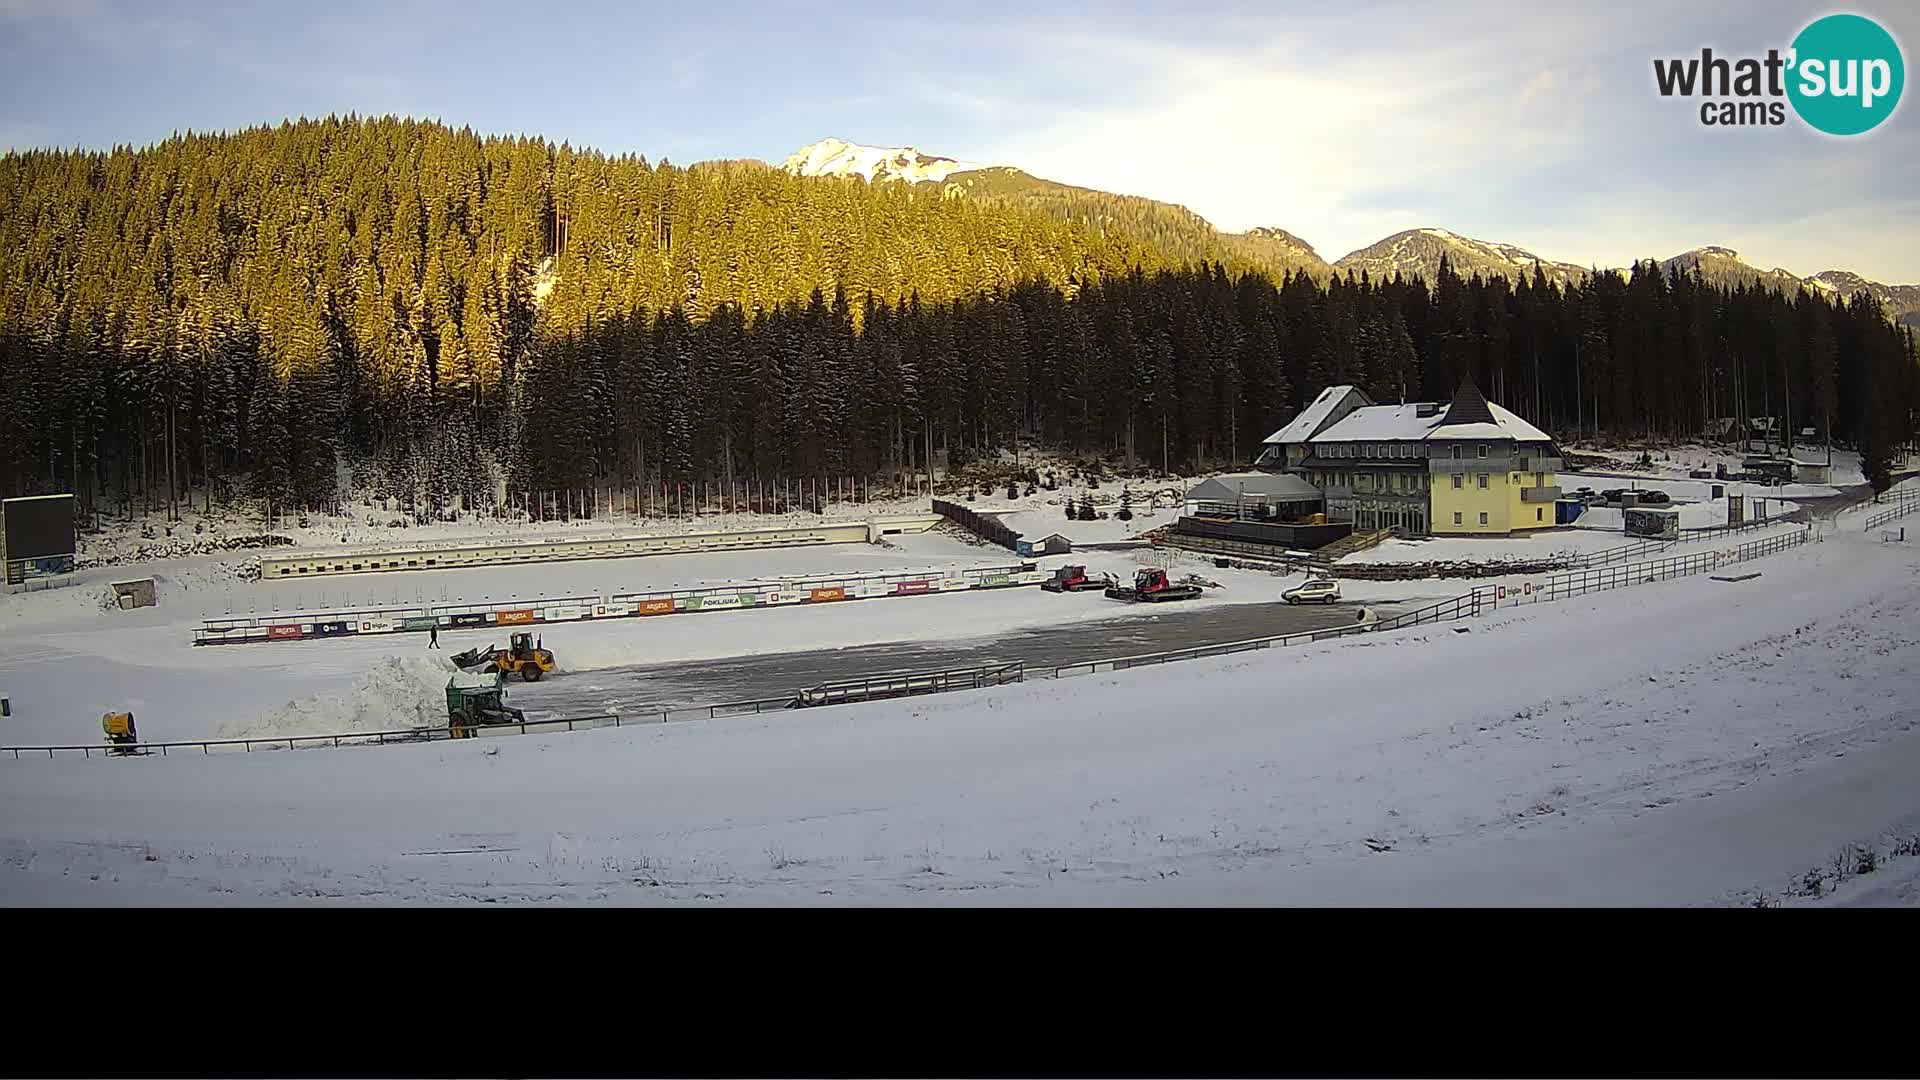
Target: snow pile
(399, 692)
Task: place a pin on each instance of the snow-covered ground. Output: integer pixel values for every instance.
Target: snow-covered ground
(1677, 461)
(1547, 544)
(86, 657)
(1671, 743)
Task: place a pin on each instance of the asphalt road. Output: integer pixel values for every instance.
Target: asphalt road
(1144, 629)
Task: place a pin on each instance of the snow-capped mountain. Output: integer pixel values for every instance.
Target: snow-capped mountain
(1901, 301)
(1412, 253)
(838, 157)
(1724, 266)
(1417, 252)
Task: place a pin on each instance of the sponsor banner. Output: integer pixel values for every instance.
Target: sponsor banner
(469, 618)
(332, 629)
(20, 571)
(746, 599)
(283, 632)
(908, 588)
(718, 600)
(1030, 577)
(655, 607)
(563, 613)
(873, 588)
(377, 626)
(995, 580)
(417, 622)
(833, 593)
(524, 615)
(953, 583)
(784, 598)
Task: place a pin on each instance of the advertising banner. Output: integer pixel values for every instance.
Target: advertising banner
(332, 629)
(417, 622)
(564, 613)
(656, 607)
(469, 618)
(833, 593)
(521, 616)
(908, 588)
(282, 633)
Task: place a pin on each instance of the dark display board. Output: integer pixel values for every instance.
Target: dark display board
(37, 528)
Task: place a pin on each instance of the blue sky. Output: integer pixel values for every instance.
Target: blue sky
(1529, 123)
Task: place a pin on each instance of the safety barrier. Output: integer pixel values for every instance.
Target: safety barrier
(517, 611)
(456, 555)
(872, 688)
(1580, 582)
(1900, 509)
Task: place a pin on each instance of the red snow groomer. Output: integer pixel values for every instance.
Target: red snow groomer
(1152, 586)
(1075, 579)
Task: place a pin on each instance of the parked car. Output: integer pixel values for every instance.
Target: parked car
(1313, 591)
(1654, 497)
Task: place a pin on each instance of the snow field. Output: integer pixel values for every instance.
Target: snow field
(1538, 758)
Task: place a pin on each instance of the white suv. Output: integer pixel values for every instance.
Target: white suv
(1312, 590)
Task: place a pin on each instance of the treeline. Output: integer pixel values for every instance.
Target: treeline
(443, 315)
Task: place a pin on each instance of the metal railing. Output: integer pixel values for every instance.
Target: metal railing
(1465, 605)
(881, 687)
(1580, 582)
(1900, 509)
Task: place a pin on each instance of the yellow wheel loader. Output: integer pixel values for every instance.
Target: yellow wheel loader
(524, 658)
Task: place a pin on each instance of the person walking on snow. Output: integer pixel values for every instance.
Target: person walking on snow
(433, 636)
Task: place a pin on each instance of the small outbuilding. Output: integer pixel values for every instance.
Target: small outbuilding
(1257, 495)
(138, 593)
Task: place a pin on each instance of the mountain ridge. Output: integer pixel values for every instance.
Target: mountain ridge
(1410, 252)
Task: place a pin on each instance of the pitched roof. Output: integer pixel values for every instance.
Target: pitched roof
(1469, 406)
(1266, 487)
(1303, 426)
(1381, 423)
(1388, 423)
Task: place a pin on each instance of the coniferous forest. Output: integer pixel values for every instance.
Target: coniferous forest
(436, 313)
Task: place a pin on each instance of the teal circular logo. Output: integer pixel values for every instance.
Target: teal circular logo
(1846, 74)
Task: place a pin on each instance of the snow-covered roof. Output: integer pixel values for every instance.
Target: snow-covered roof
(1303, 426)
(1381, 423)
(1388, 423)
(1267, 487)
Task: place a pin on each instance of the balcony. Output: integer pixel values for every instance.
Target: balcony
(1501, 463)
(1545, 493)
(1540, 464)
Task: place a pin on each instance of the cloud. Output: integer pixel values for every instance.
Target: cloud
(1524, 127)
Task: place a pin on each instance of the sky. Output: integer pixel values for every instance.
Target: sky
(1535, 124)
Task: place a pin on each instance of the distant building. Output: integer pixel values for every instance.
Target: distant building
(1469, 467)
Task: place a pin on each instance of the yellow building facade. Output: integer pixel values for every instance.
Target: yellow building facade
(1467, 468)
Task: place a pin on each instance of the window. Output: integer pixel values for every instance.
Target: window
(1456, 517)
(1454, 452)
(1483, 517)
(1483, 480)
(1539, 513)
(1457, 478)
(1483, 449)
